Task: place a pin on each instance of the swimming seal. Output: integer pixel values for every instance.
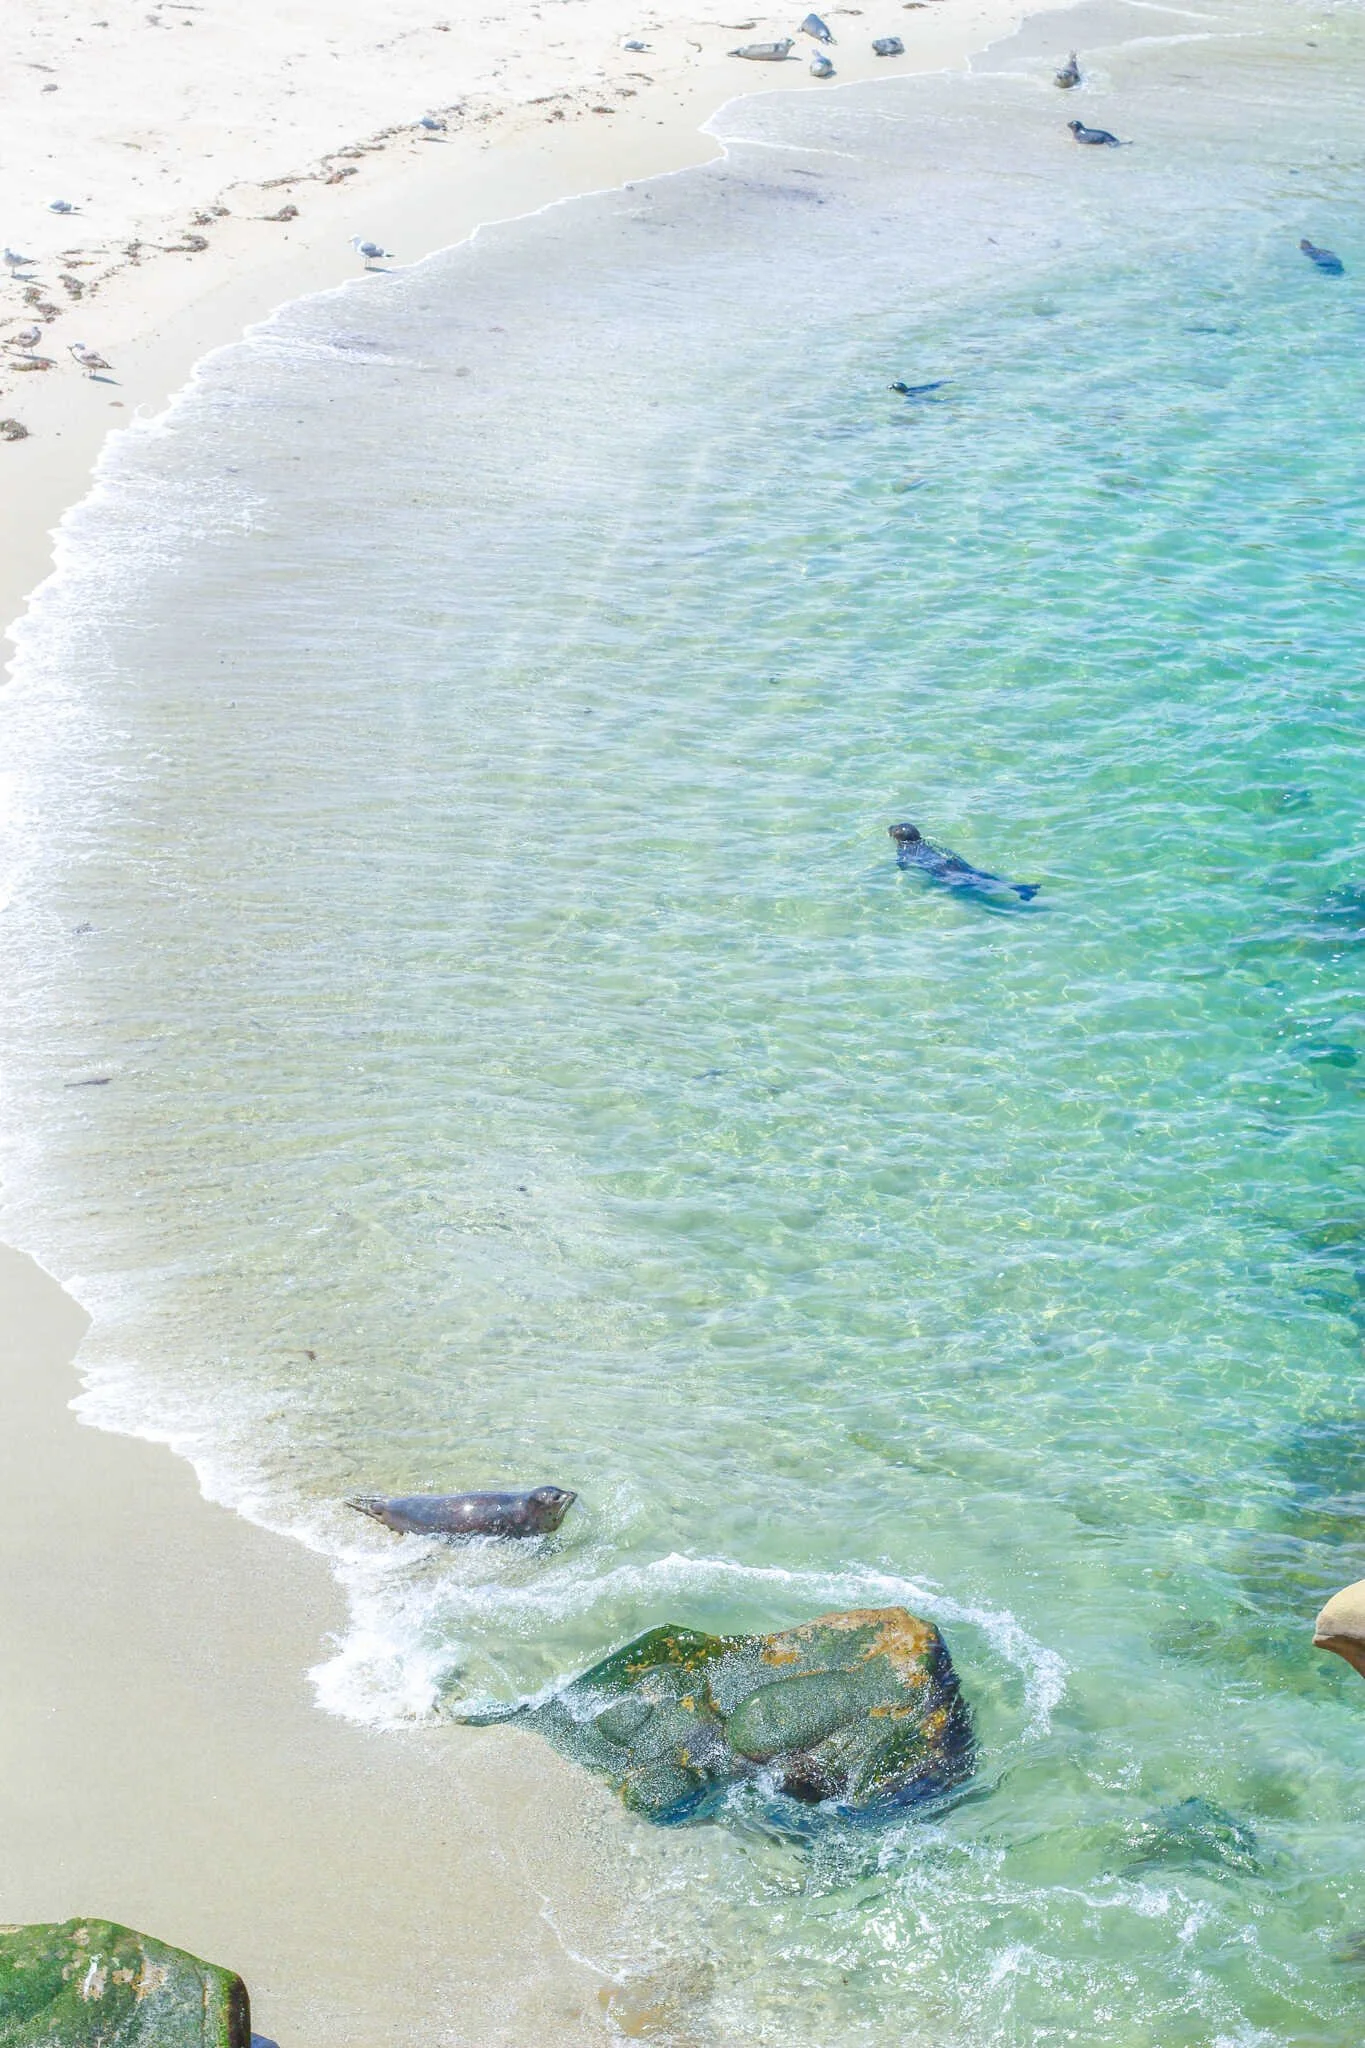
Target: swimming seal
(920, 390)
(1326, 259)
(913, 850)
(469, 1514)
(1100, 137)
(1069, 75)
(765, 53)
(813, 26)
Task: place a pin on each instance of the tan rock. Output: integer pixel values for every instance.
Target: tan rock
(1341, 1626)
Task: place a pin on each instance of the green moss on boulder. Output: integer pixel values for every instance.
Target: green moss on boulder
(862, 1709)
(92, 1984)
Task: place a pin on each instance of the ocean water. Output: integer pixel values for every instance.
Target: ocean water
(447, 781)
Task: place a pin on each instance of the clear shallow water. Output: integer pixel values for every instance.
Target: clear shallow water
(468, 726)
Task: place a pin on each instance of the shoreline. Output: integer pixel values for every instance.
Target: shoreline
(176, 1772)
(154, 320)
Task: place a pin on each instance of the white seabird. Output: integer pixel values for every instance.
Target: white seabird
(15, 261)
(88, 358)
(433, 124)
(25, 341)
(62, 206)
(371, 251)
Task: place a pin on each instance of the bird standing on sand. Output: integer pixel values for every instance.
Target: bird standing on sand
(88, 358)
(1069, 75)
(371, 251)
(1100, 138)
(432, 124)
(14, 261)
(61, 206)
(25, 341)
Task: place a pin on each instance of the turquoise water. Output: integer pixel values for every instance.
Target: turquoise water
(468, 725)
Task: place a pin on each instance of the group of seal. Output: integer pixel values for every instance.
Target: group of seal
(821, 65)
(1326, 260)
(938, 864)
(1098, 138)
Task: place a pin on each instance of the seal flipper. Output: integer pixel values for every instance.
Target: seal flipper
(1026, 890)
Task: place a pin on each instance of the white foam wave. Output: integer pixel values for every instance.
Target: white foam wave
(404, 1641)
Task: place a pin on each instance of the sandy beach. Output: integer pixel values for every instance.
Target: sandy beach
(164, 1762)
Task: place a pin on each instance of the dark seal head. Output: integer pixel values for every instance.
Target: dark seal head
(469, 1514)
(905, 835)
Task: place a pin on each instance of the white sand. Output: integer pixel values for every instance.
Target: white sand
(163, 1763)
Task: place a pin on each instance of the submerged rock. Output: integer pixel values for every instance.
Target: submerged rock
(1194, 1831)
(862, 1709)
(91, 1984)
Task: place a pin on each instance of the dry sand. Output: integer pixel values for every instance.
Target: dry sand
(162, 1761)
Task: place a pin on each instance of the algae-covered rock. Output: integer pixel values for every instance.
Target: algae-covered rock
(91, 1984)
(862, 1709)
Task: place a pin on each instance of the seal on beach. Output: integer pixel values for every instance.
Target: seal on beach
(1099, 137)
(765, 53)
(1069, 75)
(913, 850)
(888, 46)
(813, 26)
(469, 1514)
(821, 66)
(1326, 259)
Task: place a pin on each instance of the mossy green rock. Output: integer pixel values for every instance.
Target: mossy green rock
(91, 1984)
(862, 1709)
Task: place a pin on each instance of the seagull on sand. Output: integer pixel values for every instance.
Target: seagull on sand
(62, 206)
(25, 341)
(14, 261)
(433, 124)
(371, 251)
(88, 358)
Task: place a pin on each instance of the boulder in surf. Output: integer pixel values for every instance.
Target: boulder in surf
(862, 1710)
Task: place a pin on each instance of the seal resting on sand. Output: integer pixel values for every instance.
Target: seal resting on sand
(1069, 75)
(1098, 137)
(469, 1514)
(913, 850)
(1326, 259)
(1341, 1626)
(765, 53)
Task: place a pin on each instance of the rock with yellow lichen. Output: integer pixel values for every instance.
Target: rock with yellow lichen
(861, 1709)
(91, 1984)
